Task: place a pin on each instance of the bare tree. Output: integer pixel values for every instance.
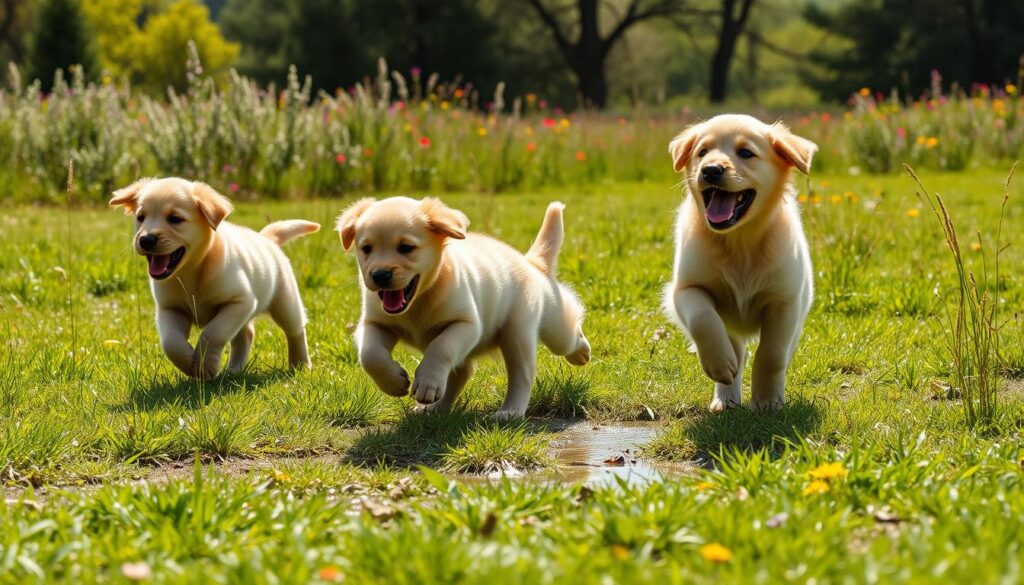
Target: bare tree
(730, 29)
(587, 54)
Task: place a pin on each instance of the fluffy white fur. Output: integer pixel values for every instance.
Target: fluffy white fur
(467, 294)
(750, 275)
(224, 276)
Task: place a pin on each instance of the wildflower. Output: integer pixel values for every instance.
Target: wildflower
(531, 98)
(704, 485)
(826, 117)
(864, 92)
(111, 343)
(913, 212)
(106, 80)
(835, 199)
(620, 552)
(529, 131)
(234, 187)
(481, 131)
(407, 127)
(280, 477)
(415, 71)
(1011, 89)
(932, 142)
(581, 156)
(901, 132)
(816, 199)
(424, 142)
(716, 553)
(549, 122)
(801, 198)
(445, 105)
(459, 94)
(816, 487)
(828, 471)
(531, 147)
(921, 140)
(139, 571)
(542, 104)
(976, 246)
(340, 158)
(330, 573)
(564, 122)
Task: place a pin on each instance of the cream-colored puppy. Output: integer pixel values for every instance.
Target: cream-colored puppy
(215, 275)
(742, 267)
(456, 295)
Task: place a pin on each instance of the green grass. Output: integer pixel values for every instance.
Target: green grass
(320, 470)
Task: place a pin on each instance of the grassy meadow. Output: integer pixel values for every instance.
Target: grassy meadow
(118, 468)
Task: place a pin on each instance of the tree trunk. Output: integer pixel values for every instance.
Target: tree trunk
(720, 65)
(590, 54)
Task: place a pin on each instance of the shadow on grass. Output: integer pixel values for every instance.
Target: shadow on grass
(191, 394)
(425, 439)
(705, 434)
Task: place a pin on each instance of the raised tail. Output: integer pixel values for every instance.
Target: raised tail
(282, 232)
(544, 252)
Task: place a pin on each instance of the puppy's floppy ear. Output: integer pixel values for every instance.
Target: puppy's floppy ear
(681, 148)
(128, 197)
(346, 225)
(214, 206)
(444, 220)
(793, 149)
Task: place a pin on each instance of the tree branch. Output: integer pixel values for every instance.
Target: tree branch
(635, 15)
(566, 47)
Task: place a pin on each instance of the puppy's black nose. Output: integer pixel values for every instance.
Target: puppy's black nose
(148, 242)
(381, 277)
(712, 173)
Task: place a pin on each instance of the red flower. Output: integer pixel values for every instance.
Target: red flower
(531, 146)
(549, 123)
(340, 158)
(424, 142)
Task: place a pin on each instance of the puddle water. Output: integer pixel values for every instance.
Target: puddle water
(604, 454)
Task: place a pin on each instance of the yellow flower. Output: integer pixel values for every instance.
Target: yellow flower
(444, 105)
(913, 212)
(111, 343)
(835, 199)
(280, 477)
(921, 139)
(932, 142)
(531, 98)
(407, 127)
(481, 131)
(716, 553)
(816, 487)
(705, 485)
(801, 198)
(864, 92)
(1011, 89)
(620, 552)
(816, 199)
(828, 471)
(976, 246)
(529, 131)
(106, 80)
(564, 122)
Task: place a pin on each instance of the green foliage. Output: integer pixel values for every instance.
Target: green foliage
(59, 40)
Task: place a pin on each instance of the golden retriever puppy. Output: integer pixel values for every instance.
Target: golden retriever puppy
(215, 275)
(742, 267)
(456, 295)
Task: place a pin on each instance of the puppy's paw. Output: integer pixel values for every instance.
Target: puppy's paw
(393, 382)
(506, 415)
(425, 409)
(768, 404)
(428, 386)
(720, 366)
(206, 364)
(725, 397)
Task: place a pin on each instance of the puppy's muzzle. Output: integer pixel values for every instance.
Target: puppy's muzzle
(382, 277)
(712, 173)
(148, 242)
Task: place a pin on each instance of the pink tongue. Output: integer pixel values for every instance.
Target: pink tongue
(722, 206)
(394, 300)
(158, 264)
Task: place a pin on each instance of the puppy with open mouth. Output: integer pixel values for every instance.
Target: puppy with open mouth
(742, 265)
(456, 295)
(212, 274)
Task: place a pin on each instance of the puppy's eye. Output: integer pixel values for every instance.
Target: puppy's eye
(405, 248)
(140, 218)
(367, 249)
(702, 152)
(745, 153)
(175, 219)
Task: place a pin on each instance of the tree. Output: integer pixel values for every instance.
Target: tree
(730, 28)
(260, 27)
(588, 53)
(15, 21)
(114, 24)
(59, 40)
(163, 45)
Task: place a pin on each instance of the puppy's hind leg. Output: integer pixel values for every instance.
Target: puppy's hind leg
(561, 328)
(730, 395)
(290, 316)
(519, 349)
(240, 347)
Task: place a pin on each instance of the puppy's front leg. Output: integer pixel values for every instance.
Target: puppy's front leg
(445, 353)
(375, 347)
(174, 327)
(222, 328)
(780, 331)
(697, 312)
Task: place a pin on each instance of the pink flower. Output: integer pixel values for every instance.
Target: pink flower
(233, 187)
(340, 158)
(415, 71)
